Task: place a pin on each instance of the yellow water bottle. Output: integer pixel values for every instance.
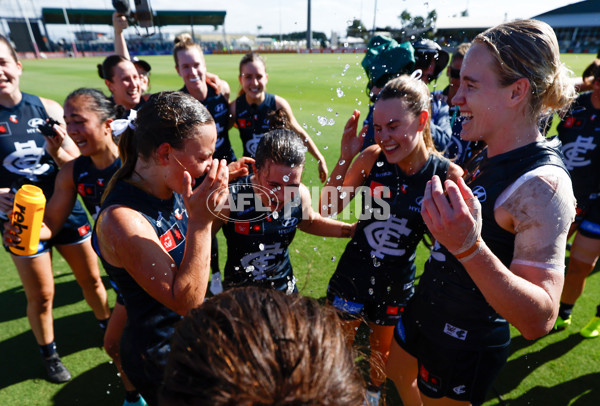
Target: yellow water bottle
(28, 213)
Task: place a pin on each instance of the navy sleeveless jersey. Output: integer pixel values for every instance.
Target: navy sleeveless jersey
(258, 240)
(381, 254)
(145, 341)
(447, 301)
(253, 121)
(218, 107)
(24, 158)
(91, 182)
(579, 132)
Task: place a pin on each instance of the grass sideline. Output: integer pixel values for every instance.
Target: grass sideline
(559, 369)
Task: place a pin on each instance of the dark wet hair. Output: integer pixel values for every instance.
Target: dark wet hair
(106, 69)
(12, 50)
(255, 346)
(97, 102)
(167, 117)
(281, 146)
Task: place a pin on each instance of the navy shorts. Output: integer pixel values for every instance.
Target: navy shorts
(76, 229)
(457, 373)
(589, 219)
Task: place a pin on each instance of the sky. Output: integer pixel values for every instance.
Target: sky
(283, 16)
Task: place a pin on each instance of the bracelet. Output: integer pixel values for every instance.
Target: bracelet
(469, 251)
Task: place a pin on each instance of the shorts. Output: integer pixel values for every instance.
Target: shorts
(461, 374)
(384, 314)
(76, 230)
(589, 219)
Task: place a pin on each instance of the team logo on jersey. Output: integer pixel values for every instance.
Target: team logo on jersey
(289, 222)
(4, 128)
(480, 193)
(13, 119)
(86, 190)
(25, 160)
(574, 152)
(84, 230)
(243, 123)
(253, 143)
(178, 214)
(431, 381)
(261, 262)
(172, 238)
(572, 122)
(219, 110)
(247, 228)
(404, 188)
(392, 310)
(455, 332)
(419, 201)
(460, 389)
(35, 122)
(379, 190)
(384, 237)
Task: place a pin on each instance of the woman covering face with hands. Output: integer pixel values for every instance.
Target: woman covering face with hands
(153, 232)
(498, 258)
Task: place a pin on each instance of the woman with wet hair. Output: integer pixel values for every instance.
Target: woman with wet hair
(253, 346)
(153, 232)
(265, 209)
(498, 259)
(374, 279)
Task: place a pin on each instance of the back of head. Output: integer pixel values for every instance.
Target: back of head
(529, 49)
(106, 69)
(427, 51)
(255, 346)
(281, 146)
(182, 42)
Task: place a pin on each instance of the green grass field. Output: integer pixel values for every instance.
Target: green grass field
(559, 369)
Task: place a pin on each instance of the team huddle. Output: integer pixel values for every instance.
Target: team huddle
(469, 170)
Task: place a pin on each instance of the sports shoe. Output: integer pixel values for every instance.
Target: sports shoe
(57, 372)
(216, 286)
(562, 324)
(140, 402)
(592, 329)
(372, 398)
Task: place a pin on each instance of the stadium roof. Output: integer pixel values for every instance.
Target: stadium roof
(581, 14)
(160, 18)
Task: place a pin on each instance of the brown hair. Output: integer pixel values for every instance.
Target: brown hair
(415, 95)
(249, 58)
(12, 50)
(107, 67)
(183, 42)
(256, 346)
(167, 117)
(529, 49)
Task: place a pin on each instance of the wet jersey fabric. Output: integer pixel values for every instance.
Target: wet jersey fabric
(91, 182)
(378, 263)
(150, 325)
(447, 303)
(258, 240)
(253, 121)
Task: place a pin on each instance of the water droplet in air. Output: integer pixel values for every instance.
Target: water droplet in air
(275, 215)
(286, 178)
(340, 92)
(333, 258)
(342, 162)
(371, 291)
(331, 121)
(338, 177)
(372, 280)
(359, 77)
(379, 164)
(261, 246)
